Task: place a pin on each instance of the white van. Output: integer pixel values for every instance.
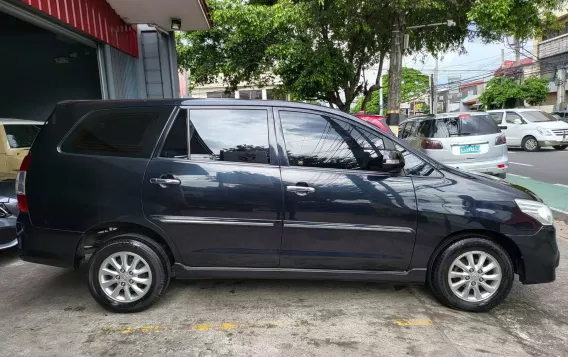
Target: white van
(531, 129)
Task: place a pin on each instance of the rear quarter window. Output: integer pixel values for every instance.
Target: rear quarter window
(125, 133)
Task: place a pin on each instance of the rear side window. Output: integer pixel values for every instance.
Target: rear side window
(114, 133)
(21, 136)
(237, 135)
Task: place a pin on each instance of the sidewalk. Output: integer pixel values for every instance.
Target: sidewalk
(561, 229)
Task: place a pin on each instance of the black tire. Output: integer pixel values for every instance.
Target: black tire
(528, 139)
(502, 176)
(560, 147)
(151, 252)
(440, 270)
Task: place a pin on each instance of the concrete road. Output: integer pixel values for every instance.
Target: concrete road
(47, 311)
(545, 173)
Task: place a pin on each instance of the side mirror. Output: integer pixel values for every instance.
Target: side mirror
(517, 121)
(391, 161)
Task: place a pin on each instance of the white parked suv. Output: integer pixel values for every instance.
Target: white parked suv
(531, 129)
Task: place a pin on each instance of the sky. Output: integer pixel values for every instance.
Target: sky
(480, 60)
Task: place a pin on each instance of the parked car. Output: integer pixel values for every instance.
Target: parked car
(531, 129)
(379, 121)
(195, 189)
(8, 214)
(16, 137)
(468, 141)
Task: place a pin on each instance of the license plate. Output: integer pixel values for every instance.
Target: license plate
(469, 149)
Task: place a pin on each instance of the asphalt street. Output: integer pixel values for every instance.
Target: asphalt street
(545, 173)
(48, 311)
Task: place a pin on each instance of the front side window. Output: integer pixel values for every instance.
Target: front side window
(314, 140)
(510, 117)
(236, 135)
(123, 133)
(21, 136)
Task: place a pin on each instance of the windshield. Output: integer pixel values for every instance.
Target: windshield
(538, 116)
(21, 136)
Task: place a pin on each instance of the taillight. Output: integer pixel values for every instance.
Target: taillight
(431, 144)
(501, 140)
(21, 185)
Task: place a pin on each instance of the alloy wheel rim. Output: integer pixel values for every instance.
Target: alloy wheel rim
(531, 144)
(475, 276)
(125, 277)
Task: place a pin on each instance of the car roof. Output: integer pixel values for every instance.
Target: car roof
(443, 115)
(515, 110)
(20, 121)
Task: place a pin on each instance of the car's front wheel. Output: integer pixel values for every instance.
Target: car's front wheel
(560, 147)
(128, 275)
(472, 274)
(530, 144)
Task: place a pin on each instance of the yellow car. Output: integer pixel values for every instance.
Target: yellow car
(16, 138)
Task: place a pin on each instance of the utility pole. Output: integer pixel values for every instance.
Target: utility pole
(561, 93)
(395, 71)
(435, 89)
(502, 56)
(382, 103)
(431, 94)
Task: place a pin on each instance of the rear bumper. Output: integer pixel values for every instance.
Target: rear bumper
(540, 256)
(47, 246)
(484, 167)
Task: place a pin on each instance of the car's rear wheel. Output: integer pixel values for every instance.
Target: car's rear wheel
(128, 275)
(530, 144)
(472, 274)
(560, 147)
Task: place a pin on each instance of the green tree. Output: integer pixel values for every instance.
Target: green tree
(500, 92)
(534, 90)
(320, 49)
(414, 85)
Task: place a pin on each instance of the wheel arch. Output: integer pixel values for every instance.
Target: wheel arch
(505, 242)
(102, 231)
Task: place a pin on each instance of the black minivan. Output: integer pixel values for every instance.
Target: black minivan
(149, 190)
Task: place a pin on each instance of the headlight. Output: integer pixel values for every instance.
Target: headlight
(536, 210)
(544, 131)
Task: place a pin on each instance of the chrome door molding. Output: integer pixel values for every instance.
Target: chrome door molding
(349, 227)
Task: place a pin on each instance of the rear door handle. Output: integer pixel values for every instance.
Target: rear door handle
(164, 182)
(502, 127)
(300, 190)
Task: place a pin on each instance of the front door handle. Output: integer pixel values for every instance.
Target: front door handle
(300, 190)
(164, 182)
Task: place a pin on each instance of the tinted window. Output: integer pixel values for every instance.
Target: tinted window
(415, 166)
(322, 141)
(229, 135)
(510, 117)
(538, 116)
(403, 131)
(411, 127)
(114, 133)
(441, 127)
(175, 145)
(21, 136)
(497, 117)
(478, 125)
(424, 129)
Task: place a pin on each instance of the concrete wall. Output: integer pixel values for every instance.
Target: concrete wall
(31, 81)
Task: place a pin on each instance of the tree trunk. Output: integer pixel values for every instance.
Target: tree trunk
(376, 86)
(395, 71)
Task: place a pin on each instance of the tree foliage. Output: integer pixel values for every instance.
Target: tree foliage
(534, 90)
(500, 92)
(320, 49)
(414, 85)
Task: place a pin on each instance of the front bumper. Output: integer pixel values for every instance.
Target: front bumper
(540, 256)
(552, 141)
(47, 246)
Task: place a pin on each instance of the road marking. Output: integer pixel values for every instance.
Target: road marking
(414, 322)
(519, 163)
(518, 176)
(558, 210)
(561, 185)
(511, 152)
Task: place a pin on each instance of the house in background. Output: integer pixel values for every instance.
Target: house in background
(469, 94)
(218, 90)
